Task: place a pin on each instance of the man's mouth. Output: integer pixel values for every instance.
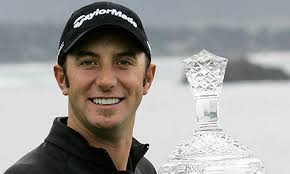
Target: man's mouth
(106, 101)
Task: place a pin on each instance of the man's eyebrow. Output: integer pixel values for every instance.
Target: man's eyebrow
(130, 53)
(83, 53)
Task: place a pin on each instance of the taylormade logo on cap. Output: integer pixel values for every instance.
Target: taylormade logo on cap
(80, 20)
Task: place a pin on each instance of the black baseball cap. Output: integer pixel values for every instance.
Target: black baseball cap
(100, 14)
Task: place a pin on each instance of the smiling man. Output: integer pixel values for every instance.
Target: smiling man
(104, 68)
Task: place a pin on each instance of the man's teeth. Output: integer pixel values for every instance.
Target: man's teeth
(107, 101)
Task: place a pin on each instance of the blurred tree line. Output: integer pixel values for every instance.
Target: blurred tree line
(21, 42)
(228, 42)
(39, 42)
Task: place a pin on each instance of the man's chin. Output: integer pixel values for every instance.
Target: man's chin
(108, 131)
(106, 125)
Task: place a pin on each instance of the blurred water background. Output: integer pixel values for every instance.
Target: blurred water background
(256, 113)
(254, 35)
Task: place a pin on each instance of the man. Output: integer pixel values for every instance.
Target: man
(104, 68)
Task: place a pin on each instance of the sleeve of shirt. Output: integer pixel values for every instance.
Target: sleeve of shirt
(15, 169)
(145, 167)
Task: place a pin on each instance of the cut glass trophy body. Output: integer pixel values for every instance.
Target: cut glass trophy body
(209, 150)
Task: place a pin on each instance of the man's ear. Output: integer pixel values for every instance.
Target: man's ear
(149, 78)
(60, 78)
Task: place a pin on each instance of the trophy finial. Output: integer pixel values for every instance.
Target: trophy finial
(205, 73)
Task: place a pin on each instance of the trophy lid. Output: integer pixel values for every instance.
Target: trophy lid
(205, 73)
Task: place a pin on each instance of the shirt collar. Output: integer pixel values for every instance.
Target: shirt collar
(71, 141)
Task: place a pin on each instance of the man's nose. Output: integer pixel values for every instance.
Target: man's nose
(106, 79)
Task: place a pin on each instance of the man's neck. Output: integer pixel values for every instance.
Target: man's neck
(119, 152)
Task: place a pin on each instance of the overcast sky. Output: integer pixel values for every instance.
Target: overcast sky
(171, 13)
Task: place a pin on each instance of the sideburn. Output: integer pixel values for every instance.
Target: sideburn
(144, 81)
(65, 77)
(146, 71)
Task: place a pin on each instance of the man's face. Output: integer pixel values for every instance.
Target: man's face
(105, 76)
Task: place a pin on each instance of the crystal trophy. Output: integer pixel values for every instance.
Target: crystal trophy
(209, 150)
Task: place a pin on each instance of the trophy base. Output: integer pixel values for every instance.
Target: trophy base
(212, 152)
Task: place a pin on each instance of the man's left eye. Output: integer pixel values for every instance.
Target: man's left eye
(88, 62)
(123, 62)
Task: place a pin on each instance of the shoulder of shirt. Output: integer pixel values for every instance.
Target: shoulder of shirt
(35, 161)
(145, 167)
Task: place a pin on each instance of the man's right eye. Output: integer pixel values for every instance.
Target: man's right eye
(88, 62)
